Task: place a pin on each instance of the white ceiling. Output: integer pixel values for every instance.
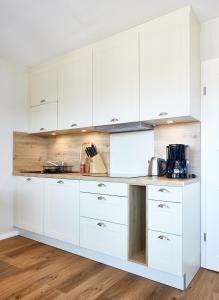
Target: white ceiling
(32, 31)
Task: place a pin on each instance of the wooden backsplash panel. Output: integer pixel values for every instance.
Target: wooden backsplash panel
(183, 133)
(67, 147)
(31, 152)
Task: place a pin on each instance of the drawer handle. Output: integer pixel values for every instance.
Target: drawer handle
(163, 206)
(163, 237)
(43, 101)
(73, 125)
(114, 120)
(60, 181)
(101, 224)
(101, 198)
(28, 179)
(42, 129)
(163, 190)
(163, 114)
(101, 185)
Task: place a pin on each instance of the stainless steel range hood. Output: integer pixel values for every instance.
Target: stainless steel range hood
(124, 127)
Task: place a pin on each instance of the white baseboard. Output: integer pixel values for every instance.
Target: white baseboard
(9, 234)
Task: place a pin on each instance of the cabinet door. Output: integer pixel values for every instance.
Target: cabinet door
(210, 165)
(43, 118)
(115, 79)
(75, 107)
(164, 72)
(43, 86)
(29, 201)
(62, 210)
(165, 252)
(106, 237)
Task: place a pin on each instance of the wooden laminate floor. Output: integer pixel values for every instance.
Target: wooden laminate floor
(31, 270)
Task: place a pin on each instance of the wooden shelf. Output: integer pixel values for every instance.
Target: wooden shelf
(139, 257)
(137, 224)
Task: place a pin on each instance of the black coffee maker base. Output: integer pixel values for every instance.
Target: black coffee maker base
(177, 176)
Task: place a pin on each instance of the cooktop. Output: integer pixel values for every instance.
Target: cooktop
(117, 175)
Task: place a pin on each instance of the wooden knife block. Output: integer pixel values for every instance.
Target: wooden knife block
(97, 165)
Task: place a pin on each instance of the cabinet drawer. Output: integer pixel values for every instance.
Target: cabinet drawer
(43, 118)
(165, 216)
(105, 237)
(165, 193)
(107, 188)
(108, 208)
(165, 252)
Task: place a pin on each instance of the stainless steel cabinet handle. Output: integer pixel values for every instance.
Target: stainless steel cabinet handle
(60, 181)
(114, 120)
(101, 185)
(41, 129)
(73, 125)
(163, 190)
(101, 224)
(28, 179)
(163, 206)
(163, 237)
(43, 101)
(163, 114)
(101, 198)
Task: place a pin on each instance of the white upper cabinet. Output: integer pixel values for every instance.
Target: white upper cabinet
(43, 86)
(170, 67)
(148, 73)
(43, 118)
(116, 79)
(75, 105)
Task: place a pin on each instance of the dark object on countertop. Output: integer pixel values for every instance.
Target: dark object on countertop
(91, 151)
(56, 169)
(46, 172)
(177, 161)
(157, 167)
(193, 176)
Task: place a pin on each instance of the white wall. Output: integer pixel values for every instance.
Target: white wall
(130, 152)
(13, 116)
(210, 39)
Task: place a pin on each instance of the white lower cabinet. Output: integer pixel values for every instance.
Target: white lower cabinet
(104, 207)
(165, 193)
(62, 210)
(174, 230)
(165, 252)
(81, 215)
(104, 217)
(101, 236)
(29, 204)
(105, 188)
(165, 216)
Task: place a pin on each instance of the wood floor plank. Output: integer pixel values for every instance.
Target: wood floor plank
(94, 286)
(69, 278)
(32, 274)
(126, 288)
(36, 291)
(7, 270)
(32, 255)
(33, 271)
(14, 243)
